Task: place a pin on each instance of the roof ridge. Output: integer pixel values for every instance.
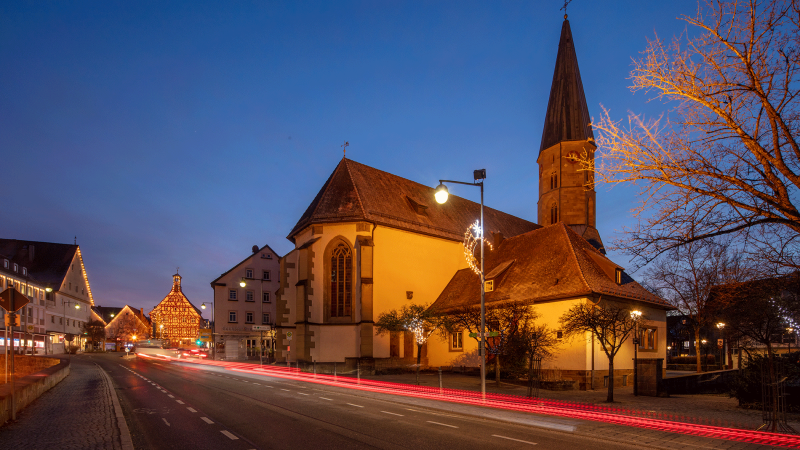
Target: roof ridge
(355, 187)
(574, 255)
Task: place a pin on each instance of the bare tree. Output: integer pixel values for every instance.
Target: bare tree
(726, 161)
(417, 319)
(537, 341)
(685, 277)
(505, 319)
(95, 330)
(610, 324)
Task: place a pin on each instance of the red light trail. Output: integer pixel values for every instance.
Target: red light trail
(572, 410)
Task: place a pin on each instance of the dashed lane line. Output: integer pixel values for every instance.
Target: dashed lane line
(302, 393)
(442, 424)
(512, 439)
(329, 399)
(357, 406)
(285, 390)
(179, 402)
(394, 414)
(230, 435)
(165, 421)
(170, 396)
(207, 420)
(191, 409)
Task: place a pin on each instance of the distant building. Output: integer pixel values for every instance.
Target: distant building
(126, 325)
(175, 318)
(36, 267)
(237, 309)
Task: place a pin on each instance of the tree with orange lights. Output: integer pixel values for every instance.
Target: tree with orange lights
(726, 160)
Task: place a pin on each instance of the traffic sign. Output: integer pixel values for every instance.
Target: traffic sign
(262, 328)
(488, 334)
(12, 320)
(205, 335)
(289, 335)
(12, 299)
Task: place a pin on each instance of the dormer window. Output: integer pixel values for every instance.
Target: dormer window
(416, 206)
(618, 276)
(16, 267)
(25, 271)
(5, 264)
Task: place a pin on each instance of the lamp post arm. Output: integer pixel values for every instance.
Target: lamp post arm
(461, 182)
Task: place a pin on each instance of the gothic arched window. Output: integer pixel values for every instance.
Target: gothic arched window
(554, 213)
(553, 180)
(341, 281)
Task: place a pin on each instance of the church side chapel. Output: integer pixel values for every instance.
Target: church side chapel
(175, 318)
(371, 242)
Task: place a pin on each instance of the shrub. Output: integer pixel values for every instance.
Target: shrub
(746, 387)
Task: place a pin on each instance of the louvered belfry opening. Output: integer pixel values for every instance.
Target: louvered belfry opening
(341, 281)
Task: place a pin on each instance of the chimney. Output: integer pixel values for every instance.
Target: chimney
(30, 252)
(255, 249)
(498, 238)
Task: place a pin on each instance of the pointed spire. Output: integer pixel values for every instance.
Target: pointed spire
(567, 117)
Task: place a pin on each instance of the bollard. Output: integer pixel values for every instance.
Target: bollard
(315, 369)
(334, 371)
(358, 370)
(440, 380)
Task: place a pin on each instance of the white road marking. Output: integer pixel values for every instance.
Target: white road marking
(257, 384)
(165, 421)
(170, 396)
(394, 414)
(207, 420)
(357, 406)
(180, 402)
(435, 414)
(191, 409)
(329, 399)
(512, 439)
(442, 424)
(229, 434)
(268, 386)
(245, 381)
(302, 393)
(285, 390)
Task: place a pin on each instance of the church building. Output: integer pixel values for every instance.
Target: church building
(371, 242)
(175, 318)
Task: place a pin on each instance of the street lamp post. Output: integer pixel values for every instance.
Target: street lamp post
(790, 330)
(635, 315)
(65, 303)
(723, 363)
(441, 197)
(213, 325)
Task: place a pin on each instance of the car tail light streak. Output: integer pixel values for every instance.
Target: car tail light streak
(573, 410)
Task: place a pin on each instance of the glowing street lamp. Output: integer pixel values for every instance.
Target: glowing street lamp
(242, 283)
(441, 196)
(214, 325)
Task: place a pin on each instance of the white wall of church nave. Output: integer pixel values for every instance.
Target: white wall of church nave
(334, 343)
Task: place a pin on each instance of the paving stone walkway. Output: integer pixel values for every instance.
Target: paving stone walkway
(77, 413)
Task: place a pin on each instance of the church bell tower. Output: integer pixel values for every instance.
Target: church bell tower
(566, 192)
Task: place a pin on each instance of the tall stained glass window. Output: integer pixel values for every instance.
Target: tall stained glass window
(341, 281)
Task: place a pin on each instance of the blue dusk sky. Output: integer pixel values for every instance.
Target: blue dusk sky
(166, 134)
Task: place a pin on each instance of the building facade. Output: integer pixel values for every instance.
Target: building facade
(175, 319)
(54, 278)
(244, 296)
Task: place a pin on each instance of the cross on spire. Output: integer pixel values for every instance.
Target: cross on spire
(566, 2)
(344, 147)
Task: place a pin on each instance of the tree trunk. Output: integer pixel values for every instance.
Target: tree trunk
(773, 385)
(610, 398)
(419, 358)
(497, 369)
(697, 348)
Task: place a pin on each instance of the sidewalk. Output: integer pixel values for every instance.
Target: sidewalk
(77, 413)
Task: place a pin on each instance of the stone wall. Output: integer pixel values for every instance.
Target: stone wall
(650, 377)
(29, 388)
(25, 365)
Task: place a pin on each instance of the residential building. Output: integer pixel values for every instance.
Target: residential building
(244, 296)
(55, 318)
(127, 326)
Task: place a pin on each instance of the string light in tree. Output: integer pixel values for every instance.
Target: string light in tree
(472, 237)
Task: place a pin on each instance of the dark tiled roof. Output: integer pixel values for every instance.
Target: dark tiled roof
(357, 192)
(49, 262)
(567, 116)
(105, 312)
(549, 263)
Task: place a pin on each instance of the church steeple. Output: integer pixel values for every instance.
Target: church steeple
(567, 117)
(566, 190)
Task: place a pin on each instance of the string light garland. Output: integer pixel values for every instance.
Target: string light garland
(470, 242)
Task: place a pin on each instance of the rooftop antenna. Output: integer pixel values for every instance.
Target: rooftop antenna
(177, 270)
(566, 2)
(344, 148)
(76, 240)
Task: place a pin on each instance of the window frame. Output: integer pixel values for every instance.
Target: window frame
(453, 336)
(233, 295)
(647, 339)
(265, 275)
(233, 315)
(265, 297)
(248, 273)
(250, 295)
(263, 316)
(249, 317)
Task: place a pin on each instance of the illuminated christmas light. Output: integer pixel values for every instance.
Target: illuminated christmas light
(472, 236)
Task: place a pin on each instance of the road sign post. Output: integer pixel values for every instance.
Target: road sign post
(12, 300)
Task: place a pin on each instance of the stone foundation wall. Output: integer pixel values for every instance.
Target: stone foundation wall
(25, 365)
(29, 388)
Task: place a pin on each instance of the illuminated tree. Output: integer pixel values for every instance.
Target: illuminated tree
(419, 320)
(726, 161)
(611, 325)
(95, 331)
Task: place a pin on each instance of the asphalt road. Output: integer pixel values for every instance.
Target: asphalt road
(171, 405)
